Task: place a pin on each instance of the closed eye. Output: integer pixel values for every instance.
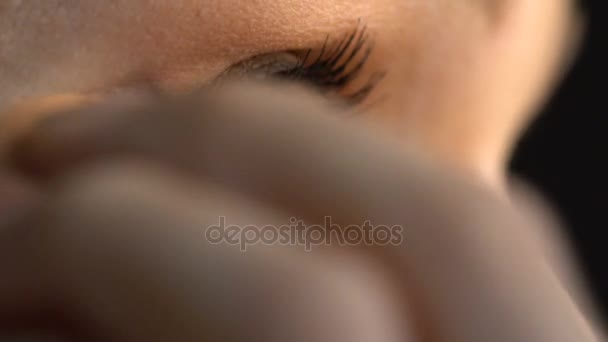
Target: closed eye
(330, 69)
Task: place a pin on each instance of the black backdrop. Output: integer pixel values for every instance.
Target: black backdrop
(566, 150)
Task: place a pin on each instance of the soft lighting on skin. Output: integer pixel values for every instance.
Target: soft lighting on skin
(462, 78)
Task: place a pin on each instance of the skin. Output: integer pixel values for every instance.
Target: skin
(469, 269)
(82, 182)
(438, 93)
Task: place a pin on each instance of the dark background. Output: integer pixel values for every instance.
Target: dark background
(565, 152)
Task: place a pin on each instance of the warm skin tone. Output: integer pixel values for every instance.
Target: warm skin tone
(116, 241)
(463, 78)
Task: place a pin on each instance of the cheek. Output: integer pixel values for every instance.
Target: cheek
(430, 55)
(464, 79)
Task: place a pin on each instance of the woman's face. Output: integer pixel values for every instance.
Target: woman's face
(457, 78)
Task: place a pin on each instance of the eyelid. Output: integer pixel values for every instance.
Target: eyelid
(334, 69)
(261, 66)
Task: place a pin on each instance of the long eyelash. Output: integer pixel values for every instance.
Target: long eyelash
(329, 70)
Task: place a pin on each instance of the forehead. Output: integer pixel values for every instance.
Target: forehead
(224, 26)
(254, 16)
(170, 36)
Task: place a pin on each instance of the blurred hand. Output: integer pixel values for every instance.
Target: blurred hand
(104, 236)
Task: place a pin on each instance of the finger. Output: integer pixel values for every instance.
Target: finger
(286, 149)
(124, 249)
(548, 233)
(467, 256)
(18, 120)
